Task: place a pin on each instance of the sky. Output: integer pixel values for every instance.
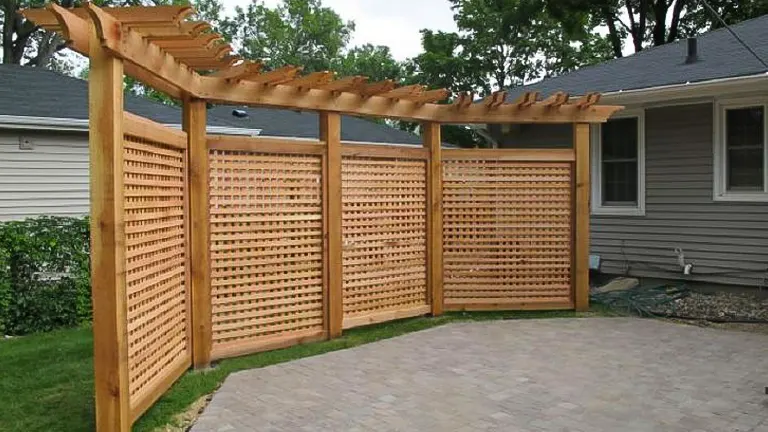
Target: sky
(394, 23)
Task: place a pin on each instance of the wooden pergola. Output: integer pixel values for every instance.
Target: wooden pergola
(160, 47)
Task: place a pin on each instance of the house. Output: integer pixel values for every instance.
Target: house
(680, 177)
(44, 137)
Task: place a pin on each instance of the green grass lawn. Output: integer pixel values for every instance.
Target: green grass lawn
(46, 380)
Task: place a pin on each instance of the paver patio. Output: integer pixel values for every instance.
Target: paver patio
(597, 374)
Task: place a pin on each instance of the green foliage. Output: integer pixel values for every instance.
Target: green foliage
(648, 23)
(374, 62)
(296, 32)
(44, 275)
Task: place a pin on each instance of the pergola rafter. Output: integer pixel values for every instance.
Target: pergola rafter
(164, 50)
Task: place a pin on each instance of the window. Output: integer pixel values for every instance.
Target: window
(741, 153)
(618, 166)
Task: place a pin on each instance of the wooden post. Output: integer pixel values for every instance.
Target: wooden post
(108, 291)
(199, 236)
(581, 246)
(330, 133)
(432, 141)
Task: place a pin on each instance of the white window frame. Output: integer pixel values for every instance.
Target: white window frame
(720, 191)
(597, 163)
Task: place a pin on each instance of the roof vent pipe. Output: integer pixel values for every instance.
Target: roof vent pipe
(693, 51)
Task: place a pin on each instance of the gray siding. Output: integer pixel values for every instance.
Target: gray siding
(50, 179)
(726, 242)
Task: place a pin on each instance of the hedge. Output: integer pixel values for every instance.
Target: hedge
(44, 274)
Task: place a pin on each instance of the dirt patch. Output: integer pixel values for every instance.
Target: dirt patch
(184, 421)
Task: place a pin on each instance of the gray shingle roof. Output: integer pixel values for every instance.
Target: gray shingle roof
(285, 123)
(36, 92)
(720, 56)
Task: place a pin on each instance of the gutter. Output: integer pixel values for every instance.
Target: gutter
(81, 125)
(701, 89)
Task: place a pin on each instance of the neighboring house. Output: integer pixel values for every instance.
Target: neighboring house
(44, 137)
(685, 166)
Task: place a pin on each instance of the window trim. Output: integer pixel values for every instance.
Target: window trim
(597, 184)
(719, 187)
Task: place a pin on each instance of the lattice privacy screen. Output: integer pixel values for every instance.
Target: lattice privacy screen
(507, 232)
(384, 236)
(156, 282)
(266, 248)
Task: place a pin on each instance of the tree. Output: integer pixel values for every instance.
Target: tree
(501, 44)
(652, 22)
(23, 42)
(296, 32)
(518, 41)
(374, 62)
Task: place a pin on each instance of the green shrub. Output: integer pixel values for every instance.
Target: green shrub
(44, 274)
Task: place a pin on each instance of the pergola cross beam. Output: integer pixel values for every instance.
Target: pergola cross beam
(163, 50)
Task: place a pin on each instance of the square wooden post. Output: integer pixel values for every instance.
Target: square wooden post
(330, 133)
(581, 246)
(432, 141)
(194, 113)
(108, 290)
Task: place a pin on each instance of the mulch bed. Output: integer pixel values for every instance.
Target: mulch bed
(725, 307)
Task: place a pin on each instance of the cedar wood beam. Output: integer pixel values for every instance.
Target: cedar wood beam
(153, 66)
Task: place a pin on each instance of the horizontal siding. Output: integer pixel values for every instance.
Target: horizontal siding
(725, 242)
(50, 179)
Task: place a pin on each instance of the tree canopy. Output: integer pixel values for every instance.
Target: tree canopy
(644, 23)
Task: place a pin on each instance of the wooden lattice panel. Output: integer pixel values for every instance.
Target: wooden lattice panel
(266, 248)
(384, 236)
(507, 233)
(156, 272)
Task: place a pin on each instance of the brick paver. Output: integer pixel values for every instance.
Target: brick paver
(598, 374)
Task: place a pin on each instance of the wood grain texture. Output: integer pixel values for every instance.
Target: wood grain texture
(581, 247)
(265, 144)
(194, 123)
(383, 151)
(532, 155)
(110, 353)
(390, 315)
(330, 133)
(433, 144)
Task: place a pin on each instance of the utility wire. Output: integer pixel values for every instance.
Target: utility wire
(741, 41)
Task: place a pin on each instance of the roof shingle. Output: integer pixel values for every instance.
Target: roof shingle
(37, 92)
(720, 56)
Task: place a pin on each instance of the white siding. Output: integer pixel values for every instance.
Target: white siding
(50, 179)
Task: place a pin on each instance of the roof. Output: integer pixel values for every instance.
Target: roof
(301, 124)
(38, 92)
(720, 56)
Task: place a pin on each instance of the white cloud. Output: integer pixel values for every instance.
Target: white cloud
(394, 23)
